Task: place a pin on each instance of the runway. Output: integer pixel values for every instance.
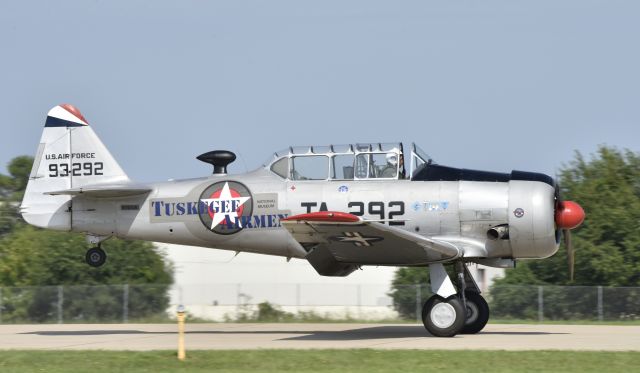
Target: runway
(144, 337)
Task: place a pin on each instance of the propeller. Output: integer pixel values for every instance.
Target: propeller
(568, 215)
(571, 254)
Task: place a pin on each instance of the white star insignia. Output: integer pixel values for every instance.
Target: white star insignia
(225, 206)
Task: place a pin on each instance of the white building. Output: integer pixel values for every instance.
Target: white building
(213, 284)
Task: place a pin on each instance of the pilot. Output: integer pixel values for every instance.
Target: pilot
(401, 174)
(391, 168)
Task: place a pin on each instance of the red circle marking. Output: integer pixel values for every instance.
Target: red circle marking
(216, 194)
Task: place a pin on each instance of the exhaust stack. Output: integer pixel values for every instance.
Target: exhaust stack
(499, 232)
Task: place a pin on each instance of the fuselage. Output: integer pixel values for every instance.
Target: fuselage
(459, 211)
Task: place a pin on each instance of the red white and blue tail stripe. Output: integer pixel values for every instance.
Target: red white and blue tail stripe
(65, 115)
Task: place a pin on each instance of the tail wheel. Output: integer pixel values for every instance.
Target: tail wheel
(443, 317)
(95, 257)
(477, 313)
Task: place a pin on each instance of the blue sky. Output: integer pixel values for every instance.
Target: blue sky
(494, 85)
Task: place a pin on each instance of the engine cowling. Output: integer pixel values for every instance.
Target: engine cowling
(532, 230)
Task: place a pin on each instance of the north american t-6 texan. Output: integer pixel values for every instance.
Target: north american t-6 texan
(340, 207)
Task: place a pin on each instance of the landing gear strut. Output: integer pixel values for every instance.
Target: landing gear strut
(452, 311)
(95, 256)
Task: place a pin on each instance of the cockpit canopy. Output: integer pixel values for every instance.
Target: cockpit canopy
(380, 161)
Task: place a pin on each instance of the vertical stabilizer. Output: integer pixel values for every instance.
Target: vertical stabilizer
(70, 155)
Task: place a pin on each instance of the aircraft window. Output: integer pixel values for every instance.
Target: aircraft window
(363, 147)
(420, 153)
(390, 146)
(417, 162)
(362, 166)
(321, 149)
(342, 167)
(280, 167)
(385, 165)
(301, 149)
(341, 148)
(314, 167)
(418, 158)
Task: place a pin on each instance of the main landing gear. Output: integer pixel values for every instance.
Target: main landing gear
(450, 311)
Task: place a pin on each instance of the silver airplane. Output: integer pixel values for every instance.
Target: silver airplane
(339, 207)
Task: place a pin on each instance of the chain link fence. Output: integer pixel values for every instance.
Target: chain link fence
(300, 302)
(565, 303)
(539, 303)
(83, 304)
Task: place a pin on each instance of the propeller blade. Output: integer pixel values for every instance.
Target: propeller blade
(571, 260)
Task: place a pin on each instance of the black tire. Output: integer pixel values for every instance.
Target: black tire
(477, 313)
(443, 317)
(95, 257)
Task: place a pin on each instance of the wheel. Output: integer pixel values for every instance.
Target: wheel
(443, 317)
(95, 257)
(477, 313)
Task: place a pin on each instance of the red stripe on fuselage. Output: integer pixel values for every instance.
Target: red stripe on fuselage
(325, 216)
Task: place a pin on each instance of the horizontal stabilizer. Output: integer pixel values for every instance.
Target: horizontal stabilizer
(104, 191)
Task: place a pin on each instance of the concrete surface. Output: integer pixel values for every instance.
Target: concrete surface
(312, 336)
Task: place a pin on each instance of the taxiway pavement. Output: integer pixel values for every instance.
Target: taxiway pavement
(143, 337)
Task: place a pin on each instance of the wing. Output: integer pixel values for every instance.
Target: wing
(105, 190)
(338, 242)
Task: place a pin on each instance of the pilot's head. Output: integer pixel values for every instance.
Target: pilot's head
(392, 159)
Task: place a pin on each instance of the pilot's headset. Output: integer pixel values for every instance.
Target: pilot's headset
(392, 158)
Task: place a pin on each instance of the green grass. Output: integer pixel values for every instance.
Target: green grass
(363, 360)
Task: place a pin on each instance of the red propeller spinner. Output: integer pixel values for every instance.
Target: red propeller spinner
(569, 215)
